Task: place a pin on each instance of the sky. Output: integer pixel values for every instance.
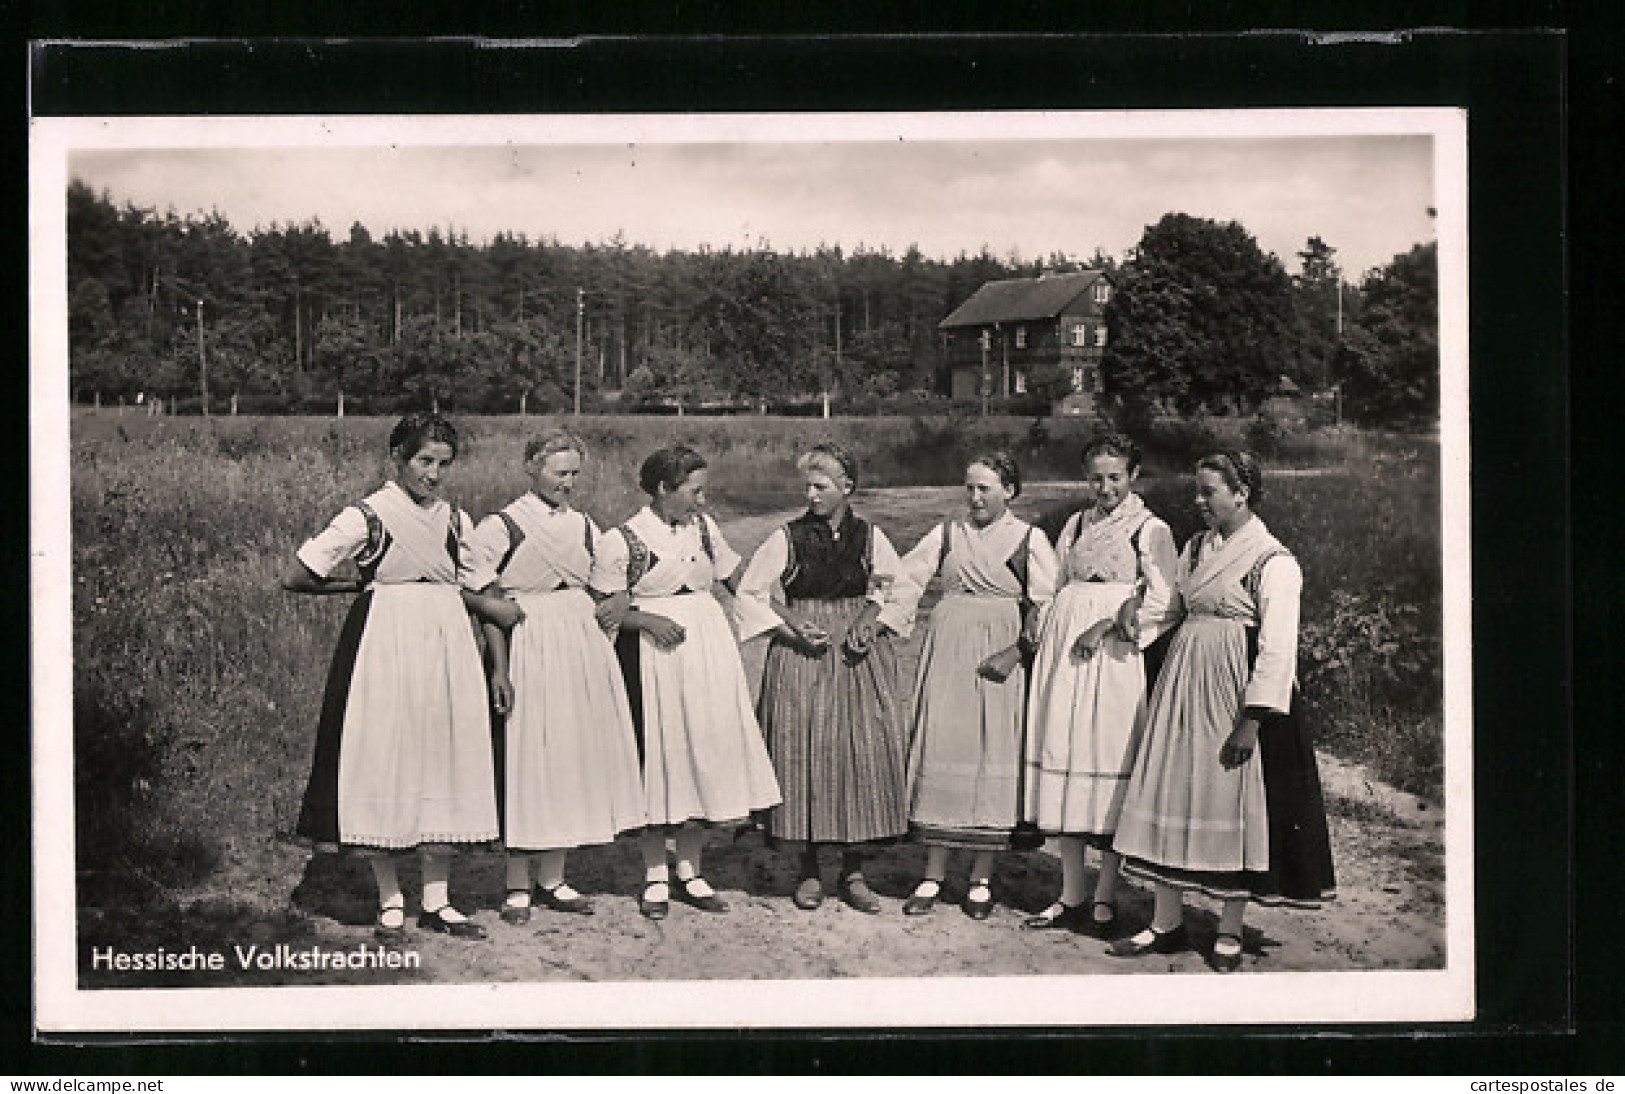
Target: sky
(1368, 196)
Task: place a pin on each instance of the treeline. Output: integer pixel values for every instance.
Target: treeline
(288, 317)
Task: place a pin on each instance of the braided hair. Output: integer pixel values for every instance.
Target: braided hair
(1112, 444)
(668, 467)
(1238, 469)
(1004, 465)
(417, 429)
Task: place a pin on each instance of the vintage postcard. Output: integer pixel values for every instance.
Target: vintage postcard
(230, 315)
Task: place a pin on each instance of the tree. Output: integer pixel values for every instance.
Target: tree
(1201, 318)
(1317, 290)
(1390, 356)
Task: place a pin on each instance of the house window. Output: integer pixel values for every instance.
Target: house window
(1100, 335)
(1021, 337)
(1021, 383)
(1103, 292)
(1079, 377)
(986, 339)
(1080, 334)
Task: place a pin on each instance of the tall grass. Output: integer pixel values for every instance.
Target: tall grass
(196, 677)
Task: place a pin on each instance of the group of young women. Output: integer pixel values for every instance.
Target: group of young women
(624, 708)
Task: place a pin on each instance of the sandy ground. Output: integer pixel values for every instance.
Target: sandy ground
(1388, 847)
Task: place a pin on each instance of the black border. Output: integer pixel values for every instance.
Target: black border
(1513, 85)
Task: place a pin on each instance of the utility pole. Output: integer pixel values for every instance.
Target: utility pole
(202, 362)
(581, 311)
(987, 380)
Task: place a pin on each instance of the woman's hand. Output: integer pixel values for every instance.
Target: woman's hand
(808, 639)
(1242, 742)
(667, 634)
(505, 613)
(998, 666)
(861, 634)
(611, 612)
(1128, 620)
(1085, 645)
(501, 692)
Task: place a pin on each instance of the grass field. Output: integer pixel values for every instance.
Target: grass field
(197, 680)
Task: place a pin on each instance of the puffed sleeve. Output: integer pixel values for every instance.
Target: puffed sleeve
(727, 559)
(914, 573)
(1043, 573)
(884, 568)
(1280, 587)
(753, 610)
(1159, 561)
(608, 575)
(342, 539)
(488, 544)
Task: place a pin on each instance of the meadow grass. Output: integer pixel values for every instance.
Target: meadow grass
(197, 679)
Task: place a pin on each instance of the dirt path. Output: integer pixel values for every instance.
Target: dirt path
(1388, 846)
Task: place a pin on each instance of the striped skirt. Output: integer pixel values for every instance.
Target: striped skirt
(966, 743)
(835, 734)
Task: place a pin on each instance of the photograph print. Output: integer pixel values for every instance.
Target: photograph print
(635, 572)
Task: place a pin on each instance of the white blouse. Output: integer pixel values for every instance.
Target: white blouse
(678, 557)
(1158, 561)
(554, 551)
(975, 564)
(417, 547)
(761, 584)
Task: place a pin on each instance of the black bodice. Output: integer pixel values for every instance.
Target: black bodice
(824, 566)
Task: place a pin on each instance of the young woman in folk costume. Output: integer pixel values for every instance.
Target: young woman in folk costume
(403, 750)
(704, 762)
(1086, 706)
(570, 775)
(998, 574)
(1225, 796)
(822, 587)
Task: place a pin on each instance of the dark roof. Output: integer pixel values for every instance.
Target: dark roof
(1021, 299)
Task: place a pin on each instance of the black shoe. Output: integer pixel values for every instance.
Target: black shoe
(1060, 917)
(709, 903)
(1095, 927)
(516, 914)
(1225, 962)
(1163, 942)
(857, 894)
(917, 904)
(457, 928)
(574, 905)
(979, 909)
(653, 909)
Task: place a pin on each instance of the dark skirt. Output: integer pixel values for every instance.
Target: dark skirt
(319, 814)
(835, 734)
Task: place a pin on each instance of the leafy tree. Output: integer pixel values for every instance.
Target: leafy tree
(1201, 319)
(1390, 356)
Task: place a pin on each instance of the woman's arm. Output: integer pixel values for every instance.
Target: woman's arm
(496, 663)
(497, 610)
(299, 578)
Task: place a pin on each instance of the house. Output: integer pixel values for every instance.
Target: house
(1006, 328)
